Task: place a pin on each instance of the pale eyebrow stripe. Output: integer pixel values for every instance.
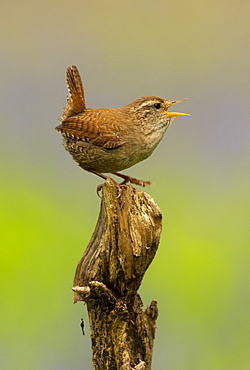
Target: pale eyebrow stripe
(146, 103)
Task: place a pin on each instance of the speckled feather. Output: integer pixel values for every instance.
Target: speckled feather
(76, 100)
(101, 127)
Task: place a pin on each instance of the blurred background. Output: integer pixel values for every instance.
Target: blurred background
(201, 173)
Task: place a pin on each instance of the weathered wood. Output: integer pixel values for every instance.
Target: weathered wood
(109, 274)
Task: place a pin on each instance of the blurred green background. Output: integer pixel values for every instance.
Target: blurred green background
(125, 50)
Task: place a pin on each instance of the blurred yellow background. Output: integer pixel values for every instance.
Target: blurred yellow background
(201, 174)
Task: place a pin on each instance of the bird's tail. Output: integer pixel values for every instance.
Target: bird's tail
(76, 101)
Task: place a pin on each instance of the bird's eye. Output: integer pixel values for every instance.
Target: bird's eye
(157, 105)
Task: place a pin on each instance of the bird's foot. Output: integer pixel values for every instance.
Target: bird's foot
(125, 178)
(132, 180)
(118, 188)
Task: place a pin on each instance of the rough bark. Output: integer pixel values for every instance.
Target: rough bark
(109, 274)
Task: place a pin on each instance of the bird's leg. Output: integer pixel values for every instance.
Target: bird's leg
(98, 174)
(99, 187)
(125, 178)
(132, 180)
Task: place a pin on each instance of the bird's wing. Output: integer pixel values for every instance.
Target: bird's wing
(99, 127)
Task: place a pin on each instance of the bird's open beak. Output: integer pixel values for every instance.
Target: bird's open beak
(174, 114)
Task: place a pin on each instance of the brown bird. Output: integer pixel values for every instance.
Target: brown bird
(111, 140)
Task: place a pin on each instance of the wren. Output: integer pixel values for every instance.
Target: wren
(111, 140)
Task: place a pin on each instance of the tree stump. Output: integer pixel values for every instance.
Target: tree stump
(109, 274)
